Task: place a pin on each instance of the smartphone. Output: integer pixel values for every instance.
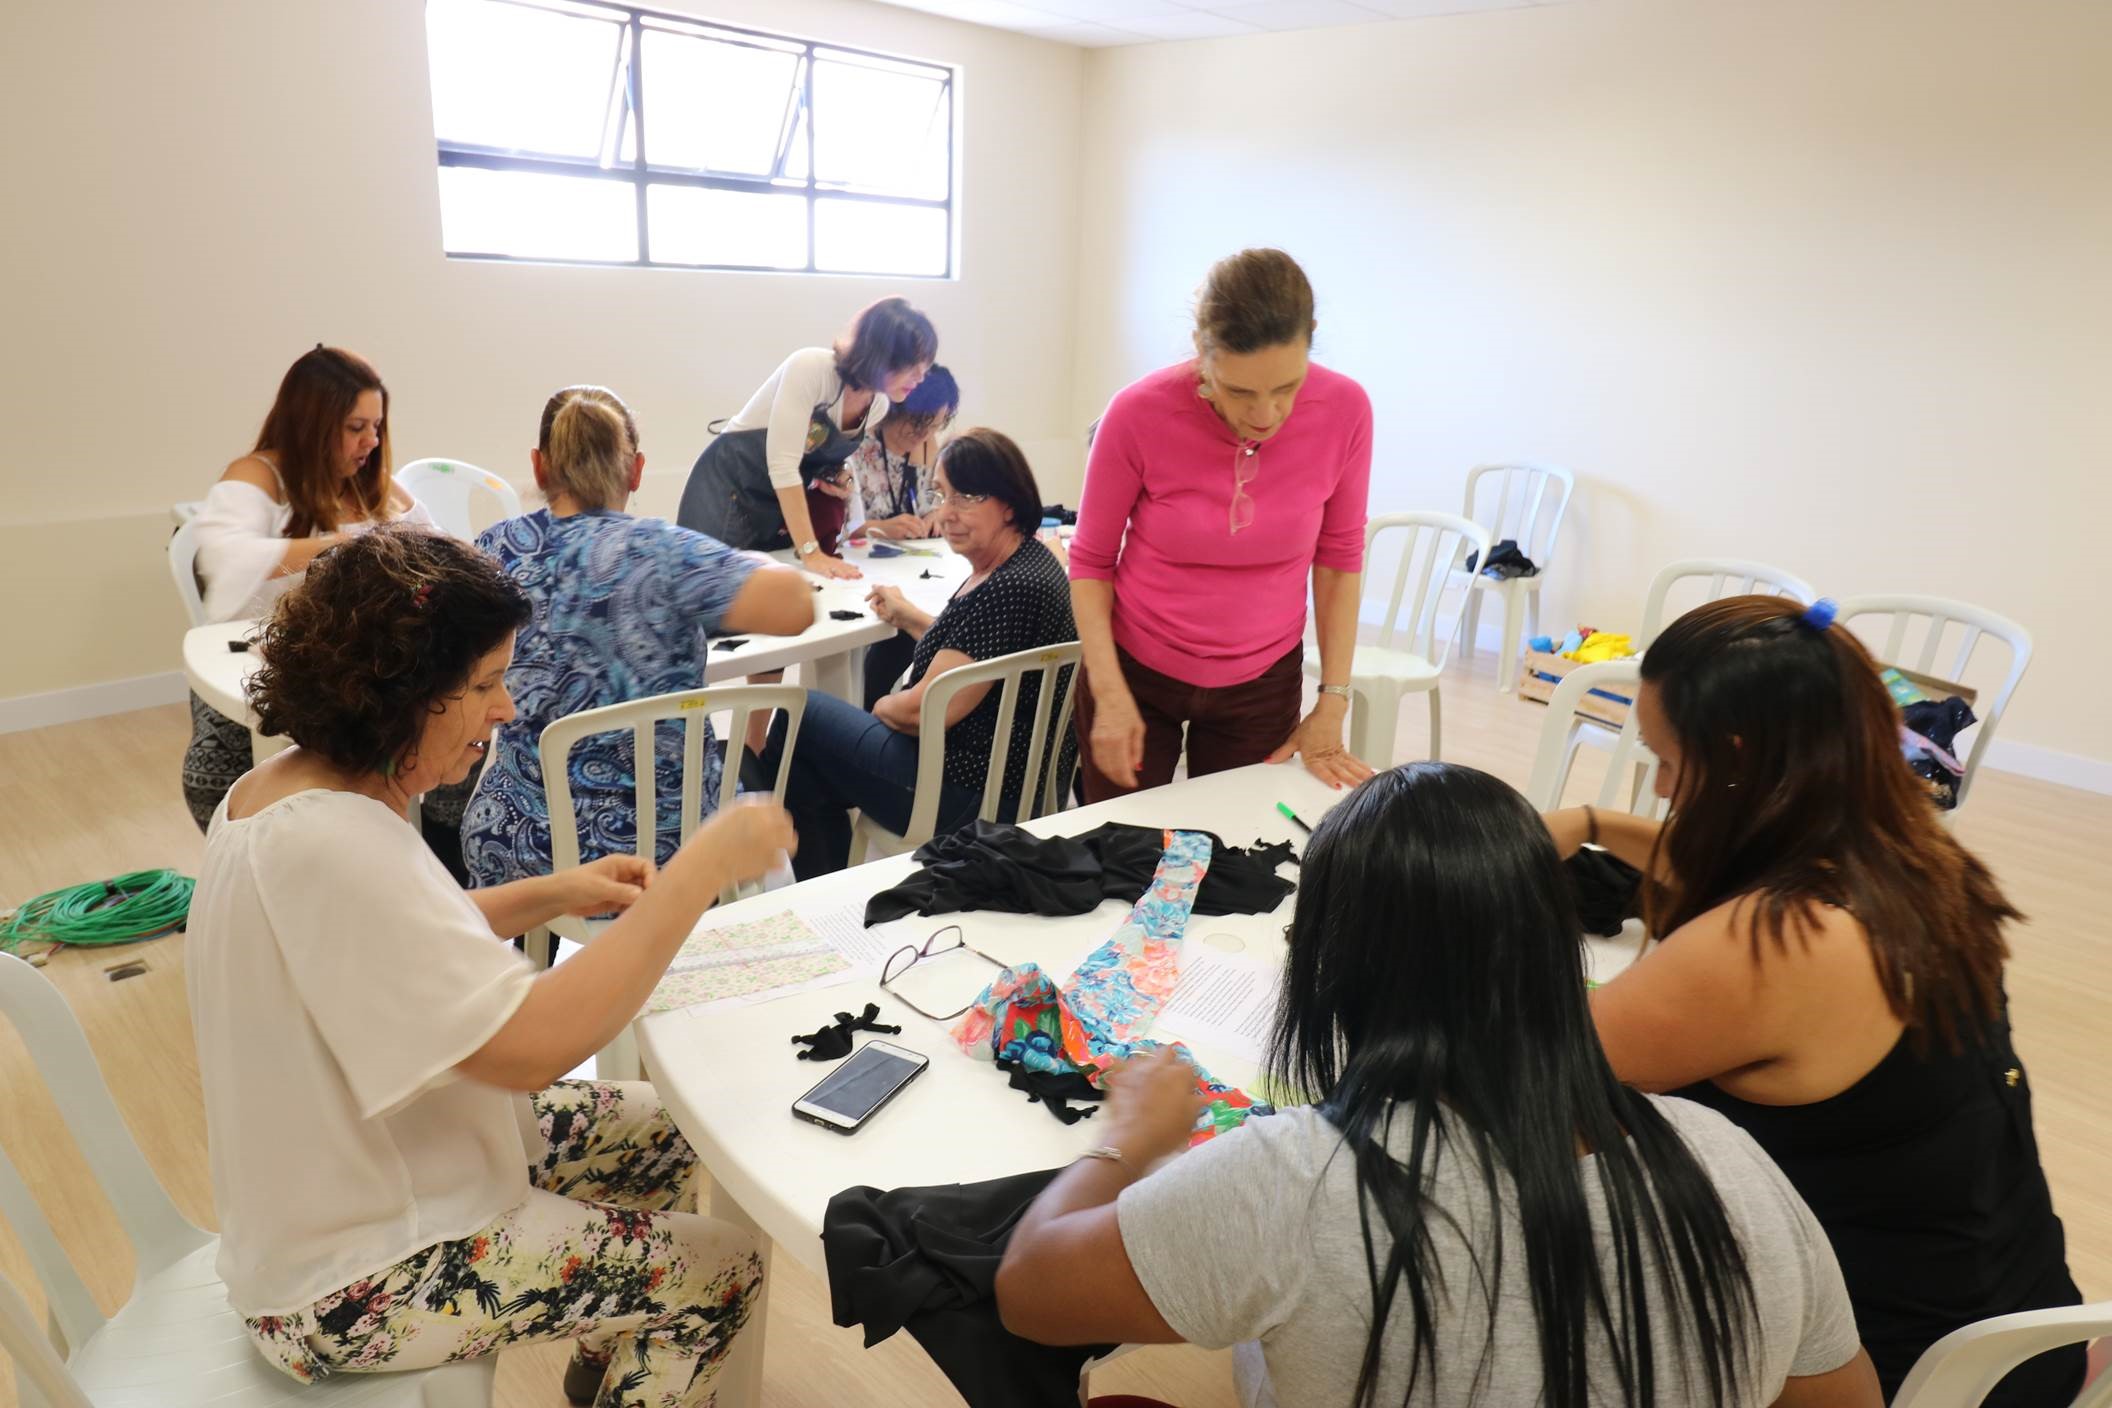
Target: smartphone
(854, 1092)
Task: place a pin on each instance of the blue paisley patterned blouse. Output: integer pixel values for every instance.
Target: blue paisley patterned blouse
(623, 609)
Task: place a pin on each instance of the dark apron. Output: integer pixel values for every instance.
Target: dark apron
(730, 497)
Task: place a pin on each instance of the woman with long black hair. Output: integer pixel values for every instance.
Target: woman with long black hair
(1473, 1209)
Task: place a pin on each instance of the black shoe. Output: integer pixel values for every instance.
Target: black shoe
(583, 1378)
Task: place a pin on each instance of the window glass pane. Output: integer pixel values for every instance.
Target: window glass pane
(714, 106)
(879, 129)
(866, 237)
(520, 79)
(693, 225)
(533, 216)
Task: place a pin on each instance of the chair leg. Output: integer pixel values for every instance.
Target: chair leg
(619, 1059)
(1373, 723)
(859, 837)
(1513, 636)
(1532, 609)
(1470, 624)
(1436, 727)
(541, 947)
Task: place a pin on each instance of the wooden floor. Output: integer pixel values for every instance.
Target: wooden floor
(88, 801)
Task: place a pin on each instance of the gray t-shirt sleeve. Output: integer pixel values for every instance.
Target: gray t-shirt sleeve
(1218, 1237)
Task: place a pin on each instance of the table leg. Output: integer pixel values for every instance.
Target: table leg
(842, 675)
(740, 1381)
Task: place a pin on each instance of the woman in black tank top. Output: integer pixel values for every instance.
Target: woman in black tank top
(1796, 822)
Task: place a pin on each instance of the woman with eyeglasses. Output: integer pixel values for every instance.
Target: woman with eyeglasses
(1015, 599)
(1472, 1209)
(1215, 489)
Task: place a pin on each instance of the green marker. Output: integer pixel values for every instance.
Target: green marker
(1294, 818)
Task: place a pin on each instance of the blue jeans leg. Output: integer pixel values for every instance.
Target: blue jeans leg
(846, 758)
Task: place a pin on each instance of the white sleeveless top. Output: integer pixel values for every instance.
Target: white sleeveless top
(242, 539)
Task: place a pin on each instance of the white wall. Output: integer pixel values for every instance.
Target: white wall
(197, 192)
(1823, 284)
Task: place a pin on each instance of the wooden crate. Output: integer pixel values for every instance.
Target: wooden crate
(1541, 672)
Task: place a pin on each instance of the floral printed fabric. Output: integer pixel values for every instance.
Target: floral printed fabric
(595, 1254)
(1102, 1014)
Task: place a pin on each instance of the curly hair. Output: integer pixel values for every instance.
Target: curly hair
(381, 632)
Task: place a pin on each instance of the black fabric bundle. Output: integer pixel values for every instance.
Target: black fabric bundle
(994, 866)
(1608, 890)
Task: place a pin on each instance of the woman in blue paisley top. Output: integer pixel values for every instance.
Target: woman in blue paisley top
(624, 608)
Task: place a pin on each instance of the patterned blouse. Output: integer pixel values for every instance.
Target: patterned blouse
(886, 485)
(623, 610)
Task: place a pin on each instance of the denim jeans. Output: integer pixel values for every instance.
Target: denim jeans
(846, 758)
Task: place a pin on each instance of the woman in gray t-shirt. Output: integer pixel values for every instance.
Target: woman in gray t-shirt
(1472, 1209)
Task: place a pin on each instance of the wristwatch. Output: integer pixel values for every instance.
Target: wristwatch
(1341, 690)
(809, 546)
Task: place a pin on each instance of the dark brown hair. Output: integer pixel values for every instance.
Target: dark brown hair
(588, 439)
(1793, 793)
(380, 633)
(1253, 299)
(307, 417)
(887, 337)
(983, 461)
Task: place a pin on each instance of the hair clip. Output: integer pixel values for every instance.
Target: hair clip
(422, 595)
(1819, 615)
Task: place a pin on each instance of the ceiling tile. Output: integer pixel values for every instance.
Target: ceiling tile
(1419, 9)
(1086, 36)
(1193, 25)
(1296, 14)
(1118, 13)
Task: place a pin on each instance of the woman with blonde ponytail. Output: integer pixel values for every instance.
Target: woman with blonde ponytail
(624, 609)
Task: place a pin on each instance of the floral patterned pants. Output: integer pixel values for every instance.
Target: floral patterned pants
(595, 1254)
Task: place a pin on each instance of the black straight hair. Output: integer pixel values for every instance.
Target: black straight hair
(1436, 964)
(990, 462)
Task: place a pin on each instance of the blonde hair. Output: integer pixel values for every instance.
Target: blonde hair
(588, 440)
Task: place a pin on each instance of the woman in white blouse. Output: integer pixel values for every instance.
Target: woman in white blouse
(401, 1177)
(319, 472)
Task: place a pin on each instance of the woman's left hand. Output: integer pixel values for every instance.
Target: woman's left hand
(902, 525)
(1152, 1105)
(605, 886)
(1318, 740)
(836, 486)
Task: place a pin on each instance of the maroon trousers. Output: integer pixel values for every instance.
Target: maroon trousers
(1228, 727)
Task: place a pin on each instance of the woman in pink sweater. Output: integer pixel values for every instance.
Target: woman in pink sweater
(1207, 505)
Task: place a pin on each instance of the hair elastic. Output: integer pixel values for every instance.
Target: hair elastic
(1819, 615)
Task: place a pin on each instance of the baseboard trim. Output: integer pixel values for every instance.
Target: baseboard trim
(91, 701)
(2050, 765)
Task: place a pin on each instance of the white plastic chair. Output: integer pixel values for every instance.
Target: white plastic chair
(1906, 620)
(1629, 784)
(1959, 1370)
(1725, 576)
(183, 567)
(175, 1342)
(643, 717)
(1056, 666)
(1412, 647)
(448, 488)
(1522, 513)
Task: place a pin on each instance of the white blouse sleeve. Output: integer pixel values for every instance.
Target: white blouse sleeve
(241, 542)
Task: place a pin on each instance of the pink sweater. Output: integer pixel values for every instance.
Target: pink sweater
(1193, 599)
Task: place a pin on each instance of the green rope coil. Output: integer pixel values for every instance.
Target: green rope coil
(141, 905)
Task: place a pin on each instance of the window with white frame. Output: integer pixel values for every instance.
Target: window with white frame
(605, 134)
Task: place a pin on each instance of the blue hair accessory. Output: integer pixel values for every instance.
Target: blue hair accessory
(1819, 615)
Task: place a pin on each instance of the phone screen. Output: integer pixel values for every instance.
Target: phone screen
(857, 1087)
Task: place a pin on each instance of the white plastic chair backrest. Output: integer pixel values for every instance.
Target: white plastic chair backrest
(41, 1379)
(1519, 506)
(1433, 547)
(183, 567)
(159, 1233)
(1622, 790)
(1915, 633)
(1959, 1370)
(692, 708)
(1724, 576)
(1056, 668)
(448, 489)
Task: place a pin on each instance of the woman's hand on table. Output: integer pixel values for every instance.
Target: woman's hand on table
(832, 568)
(1152, 1102)
(1318, 740)
(606, 886)
(902, 525)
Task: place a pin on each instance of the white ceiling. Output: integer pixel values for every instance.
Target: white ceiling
(1101, 23)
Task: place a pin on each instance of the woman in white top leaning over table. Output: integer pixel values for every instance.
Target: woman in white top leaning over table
(400, 1176)
(319, 472)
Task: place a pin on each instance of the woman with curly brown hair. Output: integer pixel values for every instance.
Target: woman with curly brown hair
(400, 1176)
(1830, 977)
(318, 473)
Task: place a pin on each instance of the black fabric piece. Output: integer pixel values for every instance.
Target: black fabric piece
(991, 865)
(846, 615)
(1608, 890)
(729, 643)
(925, 1260)
(833, 1042)
(1066, 516)
(1054, 1091)
(1940, 721)
(1505, 560)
